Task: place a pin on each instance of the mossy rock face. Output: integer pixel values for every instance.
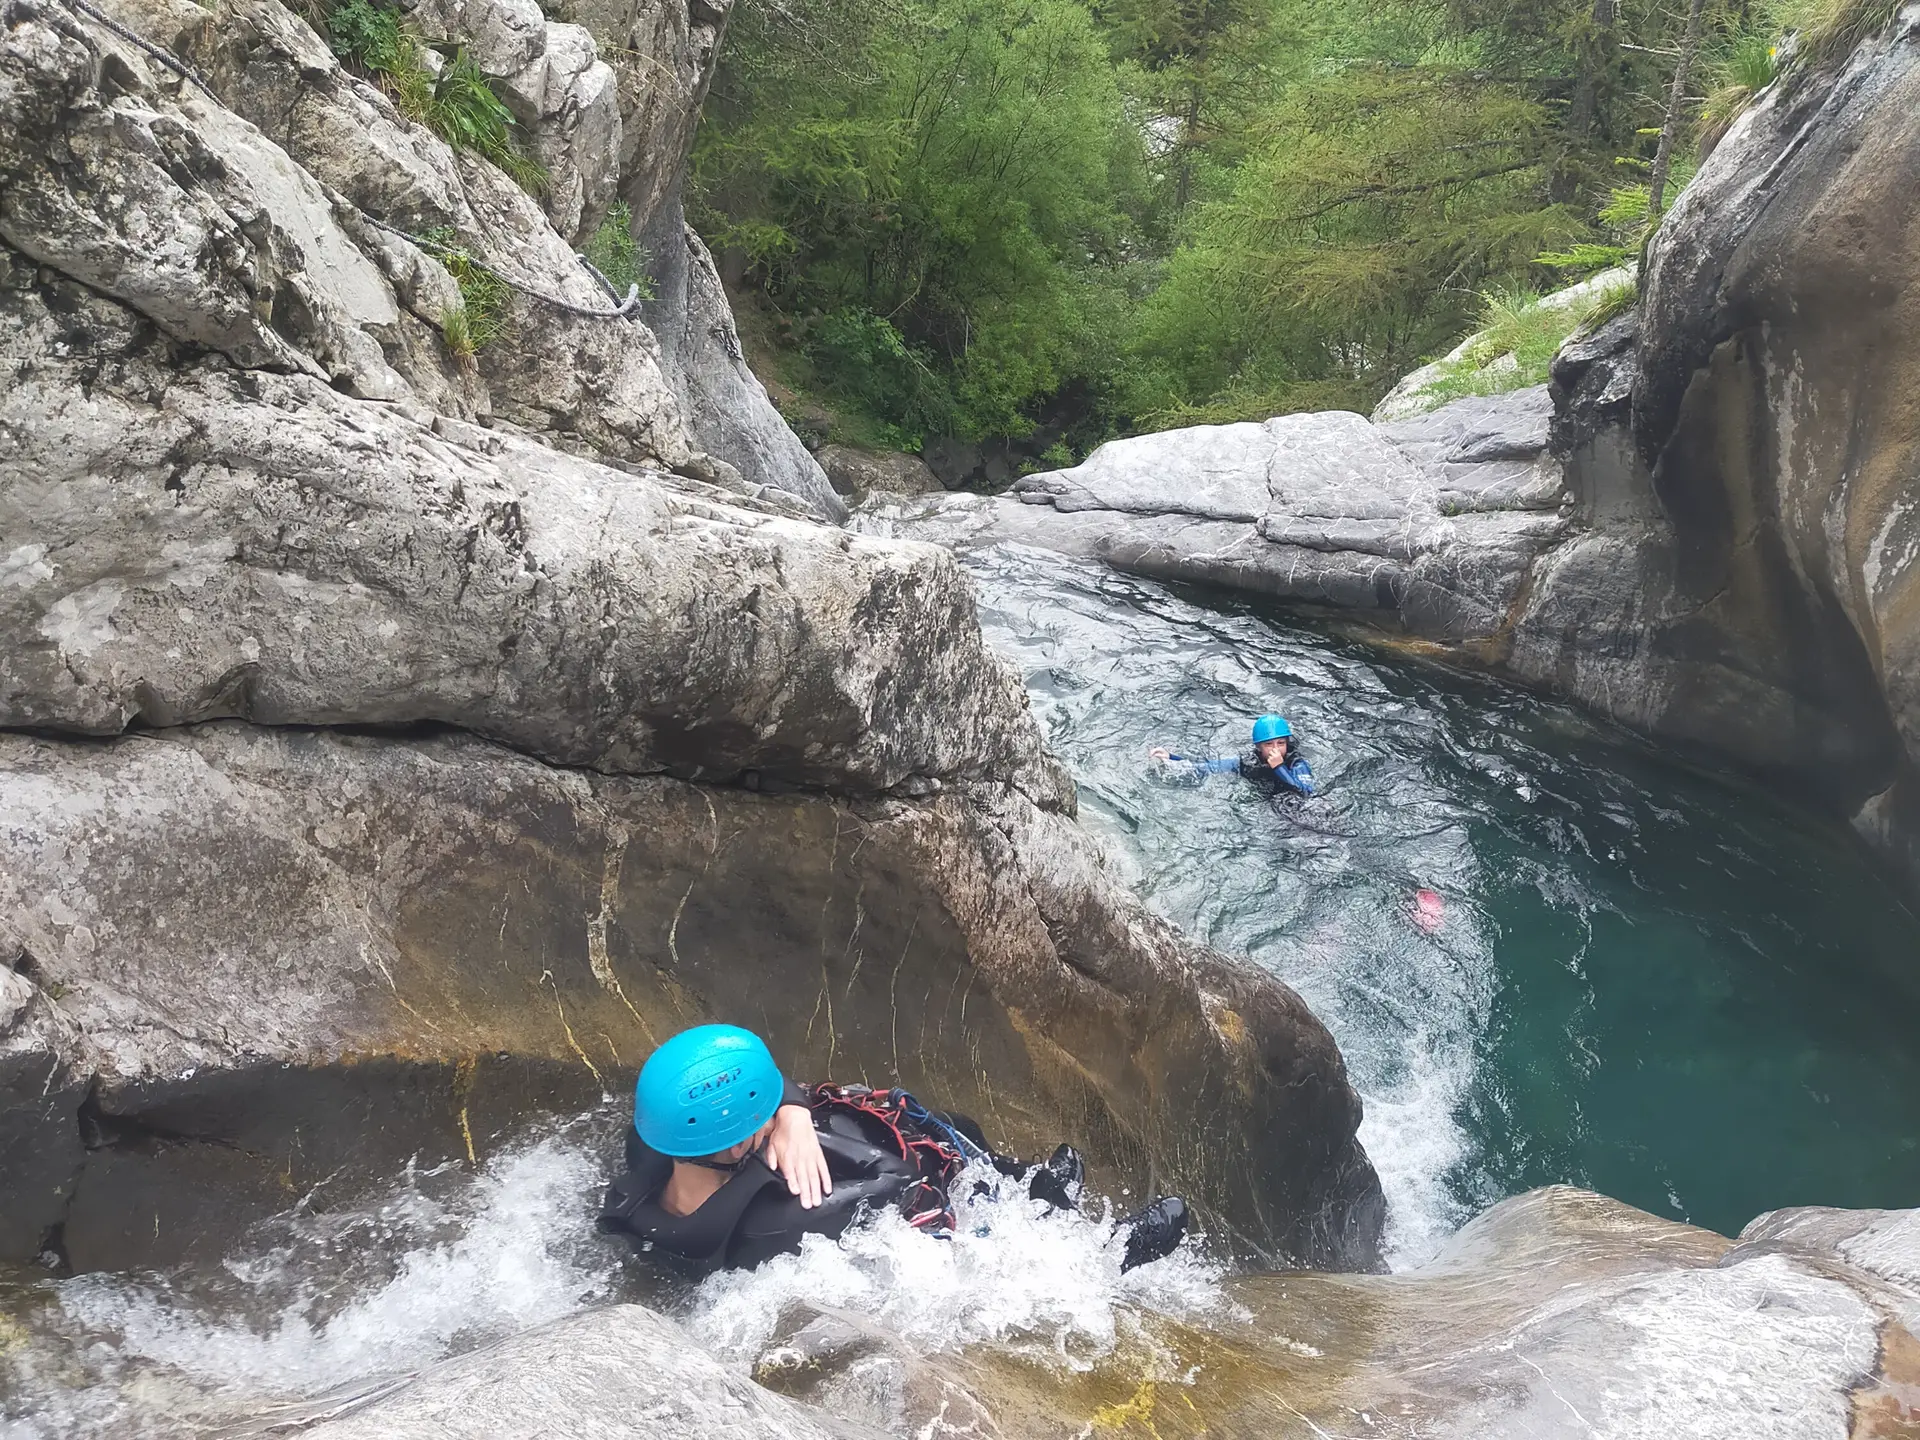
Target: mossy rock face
(302, 954)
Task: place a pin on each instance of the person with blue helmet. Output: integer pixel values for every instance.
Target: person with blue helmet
(728, 1163)
(1274, 761)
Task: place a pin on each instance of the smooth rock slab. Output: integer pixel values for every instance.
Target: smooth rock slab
(183, 545)
(320, 954)
(604, 1375)
(1430, 526)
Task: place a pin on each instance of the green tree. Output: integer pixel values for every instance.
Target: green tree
(941, 208)
(1355, 242)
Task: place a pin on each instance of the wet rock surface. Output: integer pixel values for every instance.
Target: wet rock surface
(578, 1380)
(370, 948)
(1557, 1313)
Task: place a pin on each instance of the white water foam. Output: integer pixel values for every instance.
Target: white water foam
(444, 1261)
(1047, 1285)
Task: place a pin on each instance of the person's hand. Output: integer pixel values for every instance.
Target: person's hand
(1159, 752)
(794, 1150)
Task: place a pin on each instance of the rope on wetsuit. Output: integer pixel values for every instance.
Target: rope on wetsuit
(920, 1115)
(926, 1204)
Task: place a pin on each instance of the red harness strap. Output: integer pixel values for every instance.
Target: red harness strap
(925, 1204)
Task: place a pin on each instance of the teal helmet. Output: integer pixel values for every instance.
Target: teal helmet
(705, 1091)
(1271, 727)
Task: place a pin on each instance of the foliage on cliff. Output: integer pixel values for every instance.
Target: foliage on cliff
(1065, 218)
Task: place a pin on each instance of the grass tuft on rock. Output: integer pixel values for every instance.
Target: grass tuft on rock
(467, 114)
(457, 104)
(481, 316)
(613, 251)
(378, 42)
(1831, 30)
(1520, 333)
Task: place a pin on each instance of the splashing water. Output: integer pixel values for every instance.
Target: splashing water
(446, 1260)
(1044, 1284)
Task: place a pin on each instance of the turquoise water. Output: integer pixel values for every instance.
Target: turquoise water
(1644, 981)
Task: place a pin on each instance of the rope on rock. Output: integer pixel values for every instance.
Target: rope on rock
(144, 46)
(626, 307)
(623, 308)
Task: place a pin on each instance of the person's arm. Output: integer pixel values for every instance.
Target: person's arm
(1194, 768)
(1299, 775)
(793, 1148)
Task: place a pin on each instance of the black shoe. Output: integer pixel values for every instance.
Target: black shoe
(1058, 1181)
(1154, 1233)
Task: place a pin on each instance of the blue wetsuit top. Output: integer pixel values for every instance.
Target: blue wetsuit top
(1295, 774)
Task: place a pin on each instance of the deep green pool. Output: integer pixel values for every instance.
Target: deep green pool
(1646, 981)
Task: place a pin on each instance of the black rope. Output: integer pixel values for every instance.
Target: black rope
(146, 47)
(626, 308)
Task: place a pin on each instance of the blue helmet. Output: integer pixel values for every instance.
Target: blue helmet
(706, 1090)
(1271, 727)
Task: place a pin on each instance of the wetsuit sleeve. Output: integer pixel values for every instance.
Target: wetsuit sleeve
(796, 1094)
(1195, 767)
(1299, 775)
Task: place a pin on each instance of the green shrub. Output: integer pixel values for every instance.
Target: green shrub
(872, 365)
(1516, 323)
(481, 316)
(467, 114)
(378, 42)
(1741, 71)
(458, 105)
(613, 251)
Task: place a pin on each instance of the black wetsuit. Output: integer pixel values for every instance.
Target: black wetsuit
(753, 1216)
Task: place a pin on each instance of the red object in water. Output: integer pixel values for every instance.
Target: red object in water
(1428, 910)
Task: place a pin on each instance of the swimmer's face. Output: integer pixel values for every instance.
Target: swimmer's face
(1272, 753)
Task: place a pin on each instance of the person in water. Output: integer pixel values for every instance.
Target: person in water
(729, 1164)
(1274, 761)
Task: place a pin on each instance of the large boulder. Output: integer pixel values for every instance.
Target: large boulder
(270, 957)
(728, 410)
(1774, 411)
(175, 555)
(859, 473)
(1427, 525)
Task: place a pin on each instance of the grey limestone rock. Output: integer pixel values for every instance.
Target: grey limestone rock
(568, 98)
(581, 1378)
(1772, 408)
(295, 953)
(864, 472)
(727, 408)
(503, 37)
(175, 555)
(1429, 525)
